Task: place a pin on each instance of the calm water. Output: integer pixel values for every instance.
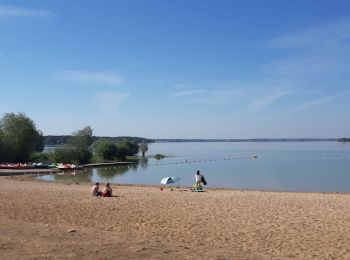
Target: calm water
(284, 166)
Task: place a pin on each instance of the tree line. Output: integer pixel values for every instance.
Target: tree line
(21, 141)
(343, 139)
(59, 140)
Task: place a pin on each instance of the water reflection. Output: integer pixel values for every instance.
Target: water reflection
(144, 163)
(110, 172)
(287, 166)
(73, 176)
(90, 175)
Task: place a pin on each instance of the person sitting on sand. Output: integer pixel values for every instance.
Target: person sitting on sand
(107, 190)
(95, 190)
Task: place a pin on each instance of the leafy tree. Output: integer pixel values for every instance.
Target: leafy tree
(131, 146)
(122, 151)
(80, 142)
(81, 139)
(39, 157)
(19, 138)
(143, 148)
(64, 155)
(39, 146)
(126, 148)
(344, 139)
(77, 150)
(3, 147)
(106, 149)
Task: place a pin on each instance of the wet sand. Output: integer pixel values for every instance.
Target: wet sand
(145, 222)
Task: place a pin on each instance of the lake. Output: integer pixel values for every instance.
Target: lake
(280, 166)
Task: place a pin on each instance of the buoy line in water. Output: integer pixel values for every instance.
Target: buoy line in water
(263, 157)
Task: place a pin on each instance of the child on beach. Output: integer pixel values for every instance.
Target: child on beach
(95, 190)
(107, 190)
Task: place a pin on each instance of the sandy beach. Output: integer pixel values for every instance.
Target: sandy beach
(145, 222)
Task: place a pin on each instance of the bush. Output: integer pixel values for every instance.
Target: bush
(159, 156)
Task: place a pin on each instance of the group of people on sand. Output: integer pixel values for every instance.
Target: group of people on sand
(106, 191)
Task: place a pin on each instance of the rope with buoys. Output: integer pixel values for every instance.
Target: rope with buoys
(263, 157)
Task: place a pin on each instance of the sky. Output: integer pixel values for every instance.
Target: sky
(178, 69)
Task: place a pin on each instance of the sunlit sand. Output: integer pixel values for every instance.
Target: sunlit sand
(146, 222)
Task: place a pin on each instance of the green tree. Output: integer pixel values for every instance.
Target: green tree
(132, 147)
(143, 148)
(106, 149)
(78, 148)
(64, 155)
(122, 151)
(126, 148)
(81, 139)
(3, 147)
(80, 143)
(344, 139)
(19, 138)
(39, 145)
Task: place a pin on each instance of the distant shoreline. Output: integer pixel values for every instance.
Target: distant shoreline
(60, 141)
(246, 140)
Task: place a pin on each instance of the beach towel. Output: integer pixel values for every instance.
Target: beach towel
(194, 190)
(197, 188)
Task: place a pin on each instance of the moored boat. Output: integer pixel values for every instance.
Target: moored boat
(65, 166)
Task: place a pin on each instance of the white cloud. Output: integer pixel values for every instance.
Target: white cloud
(184, 86)
(316, 59)
(14, 11)
(109, 101)
(210, 93)
(223, 96)
(266, 101)
(244, 95)
(301, 66)
(317, 102)
(91, 77)
(188, 93)
(321, 35)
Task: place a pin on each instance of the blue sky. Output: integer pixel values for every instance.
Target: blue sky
(178, 69)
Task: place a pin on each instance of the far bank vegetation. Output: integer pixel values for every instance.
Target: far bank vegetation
(344, 139)
(21, 142)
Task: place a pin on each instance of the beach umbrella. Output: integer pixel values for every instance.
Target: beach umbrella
(169, 180)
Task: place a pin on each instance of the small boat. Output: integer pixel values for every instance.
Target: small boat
(15, 166)
(65, 166)
(253, 157)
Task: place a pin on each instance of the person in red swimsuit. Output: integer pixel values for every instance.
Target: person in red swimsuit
(107, 190)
